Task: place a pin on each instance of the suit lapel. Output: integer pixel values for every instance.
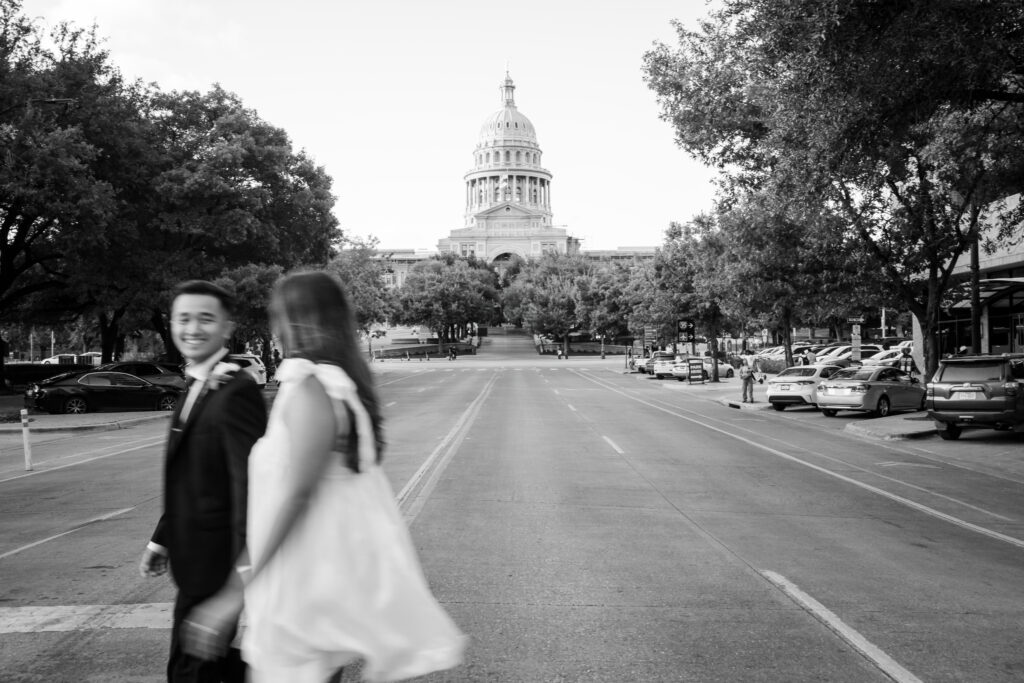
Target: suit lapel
(179, 429)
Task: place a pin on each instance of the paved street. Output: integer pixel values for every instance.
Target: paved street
(583, 524)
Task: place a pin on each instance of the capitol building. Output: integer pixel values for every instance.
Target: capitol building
(508, 200)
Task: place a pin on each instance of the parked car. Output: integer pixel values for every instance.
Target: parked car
(724, 369)
(166, 374)
(889, 358)
(845, 358)
(661, 365)
(253, 365)
(93, 390)
(977, 391)
(873, 389)
(798, 385)
(61, 359)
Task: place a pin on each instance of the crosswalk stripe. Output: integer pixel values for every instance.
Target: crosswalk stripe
(155, 615)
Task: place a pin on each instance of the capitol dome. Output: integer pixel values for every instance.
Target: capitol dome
(508, 123)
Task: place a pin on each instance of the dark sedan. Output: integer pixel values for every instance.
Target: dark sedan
(165, 374)
(95, 390)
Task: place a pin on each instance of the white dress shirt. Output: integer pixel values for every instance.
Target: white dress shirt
(199, 372)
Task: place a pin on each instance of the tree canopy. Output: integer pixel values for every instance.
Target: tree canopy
(901, 118)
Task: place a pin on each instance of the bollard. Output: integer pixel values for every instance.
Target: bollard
(26, 440)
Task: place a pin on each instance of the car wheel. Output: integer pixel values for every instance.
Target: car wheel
(779, 406)
(950, 433)
(704, 375)
(883, 407)
(167, 402)
(829, 412)
(729, 374)
(75, 406)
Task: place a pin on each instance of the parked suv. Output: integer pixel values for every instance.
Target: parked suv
(253, 365)
(977, 391)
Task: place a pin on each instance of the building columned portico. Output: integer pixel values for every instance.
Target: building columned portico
(508, 193)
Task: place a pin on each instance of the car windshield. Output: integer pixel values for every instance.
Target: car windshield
(990, 371)
(797, 372)
(854, 373)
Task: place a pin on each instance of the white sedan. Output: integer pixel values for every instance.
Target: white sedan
(798, 385)
(890, 358)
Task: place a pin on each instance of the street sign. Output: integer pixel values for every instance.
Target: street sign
(695, 370)
(855, 321)
(687, 330)
(855, 341)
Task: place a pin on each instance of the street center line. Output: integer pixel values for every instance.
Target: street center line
(101, 518)
(920, 507)
(438, 460)
(614, 447)
(889, 666)
(573, 409)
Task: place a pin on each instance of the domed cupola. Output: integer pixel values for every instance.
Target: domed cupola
(508, 193)
(508, 123)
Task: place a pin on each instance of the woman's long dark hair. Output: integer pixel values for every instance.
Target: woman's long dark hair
(316, 322)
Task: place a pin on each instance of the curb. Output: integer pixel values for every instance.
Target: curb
(740, 405)
(862, 430)
(98, 427)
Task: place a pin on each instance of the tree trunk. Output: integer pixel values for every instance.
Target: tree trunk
(109, 334)
(713, 345)
(161, 328)
(4, 350)
(787, 335)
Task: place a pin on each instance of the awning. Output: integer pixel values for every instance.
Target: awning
(989, 290)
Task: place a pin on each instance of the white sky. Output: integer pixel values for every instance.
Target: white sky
(389, 96)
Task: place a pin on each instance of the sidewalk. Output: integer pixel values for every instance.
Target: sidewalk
(728, 392)
(89, 422)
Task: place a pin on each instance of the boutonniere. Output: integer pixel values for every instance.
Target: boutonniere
(221, 373)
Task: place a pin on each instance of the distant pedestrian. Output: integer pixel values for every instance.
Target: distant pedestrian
(809, 357)
(749, 368)
(906, 363)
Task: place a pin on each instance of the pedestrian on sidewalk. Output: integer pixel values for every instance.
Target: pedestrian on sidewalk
(749, 367)
(334, 574)
(906, 363)
(201, 533)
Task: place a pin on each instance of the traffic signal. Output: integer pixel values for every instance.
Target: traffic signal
(687, 330)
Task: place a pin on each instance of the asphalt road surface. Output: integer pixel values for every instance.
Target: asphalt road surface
(582, 524)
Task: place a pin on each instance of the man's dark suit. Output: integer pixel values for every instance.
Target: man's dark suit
(205, 491)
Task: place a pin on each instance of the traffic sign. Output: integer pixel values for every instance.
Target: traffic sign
(687, 330)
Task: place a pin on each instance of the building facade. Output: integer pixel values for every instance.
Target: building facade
(508, 193)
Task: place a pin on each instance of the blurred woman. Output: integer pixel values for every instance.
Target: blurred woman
(334, 575)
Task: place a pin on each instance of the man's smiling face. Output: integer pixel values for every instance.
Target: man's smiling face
(199, 326)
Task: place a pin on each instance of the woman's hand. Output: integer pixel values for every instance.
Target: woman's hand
(207, 630)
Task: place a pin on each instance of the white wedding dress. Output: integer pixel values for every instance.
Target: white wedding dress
(346, 584)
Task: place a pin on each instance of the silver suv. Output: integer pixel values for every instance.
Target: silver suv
(977, 391)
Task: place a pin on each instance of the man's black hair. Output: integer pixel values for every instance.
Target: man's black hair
(206, 288)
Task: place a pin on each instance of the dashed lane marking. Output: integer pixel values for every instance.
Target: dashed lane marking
(390, 404)
(573, 409)
(614, 446)
(913, 504)
(889, 666)
(35, 473)
(101, 518)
